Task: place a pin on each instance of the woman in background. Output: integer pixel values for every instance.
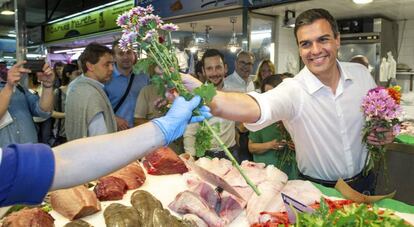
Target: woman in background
(265, 69)
(272, 145)
(69, 73)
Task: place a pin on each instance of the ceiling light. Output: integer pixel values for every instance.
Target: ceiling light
(233, 45)
(193, 45)
(289, 22)
(6, 9)
(360, 2)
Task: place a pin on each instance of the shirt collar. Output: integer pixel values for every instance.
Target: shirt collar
(240, 79)
(93, 80)
(116, 72)
(313, 84)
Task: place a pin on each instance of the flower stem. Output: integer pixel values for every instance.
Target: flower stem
(232, 159)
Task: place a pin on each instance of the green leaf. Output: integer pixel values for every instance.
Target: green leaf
(159, 83)
(143, 65)
(202, 140)
(206, 91)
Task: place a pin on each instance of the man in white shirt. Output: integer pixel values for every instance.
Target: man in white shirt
(320, 107)
(241, 79)
(214, 69)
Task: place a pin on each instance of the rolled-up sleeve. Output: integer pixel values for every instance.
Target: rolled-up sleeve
(264, 112)
(276, 104)
(26, 173)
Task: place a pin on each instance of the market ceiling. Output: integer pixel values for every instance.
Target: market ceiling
(41, 11)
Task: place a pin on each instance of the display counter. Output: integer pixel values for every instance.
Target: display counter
(166, 187)
(398, 172)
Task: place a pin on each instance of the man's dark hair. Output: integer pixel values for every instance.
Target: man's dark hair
(92, 53)
(212, 53)
(311, 15)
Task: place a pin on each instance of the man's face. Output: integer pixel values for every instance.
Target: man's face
(214, 70)
(124, 60)
(102, 70)
(244, 65)
(318, 47)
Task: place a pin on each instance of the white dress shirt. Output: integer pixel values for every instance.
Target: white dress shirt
(235, 83)
(325, 127)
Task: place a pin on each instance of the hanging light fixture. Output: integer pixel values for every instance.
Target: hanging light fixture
(361, 2)
(193, 46)
(289, 22)
(7, 9)
(233, 45)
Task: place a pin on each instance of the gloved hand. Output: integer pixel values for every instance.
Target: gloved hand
(174, 123)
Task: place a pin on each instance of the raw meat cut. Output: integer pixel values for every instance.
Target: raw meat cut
(110, 188)
(164, 161)
(33, 217)
(74, 202)
(132, 174)
(189, 202)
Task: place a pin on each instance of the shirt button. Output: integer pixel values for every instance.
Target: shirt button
(18, 132)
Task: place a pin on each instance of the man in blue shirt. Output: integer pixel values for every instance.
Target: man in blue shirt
(28, 171)
(122, 75)
(18, 106)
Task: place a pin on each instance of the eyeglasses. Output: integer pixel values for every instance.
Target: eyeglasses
(243, 63)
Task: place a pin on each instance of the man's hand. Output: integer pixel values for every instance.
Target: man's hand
(121, 123)
(15, 73)
(374, 140)
(47, 77)
(174, 123)
(190, 82)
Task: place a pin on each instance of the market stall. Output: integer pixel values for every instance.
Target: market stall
(166, 187)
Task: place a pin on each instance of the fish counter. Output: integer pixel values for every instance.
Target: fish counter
(173, 191)
(165, 188)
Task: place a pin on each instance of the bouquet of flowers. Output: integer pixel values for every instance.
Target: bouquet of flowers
(381, 108)
(287, 160)
(142, 29)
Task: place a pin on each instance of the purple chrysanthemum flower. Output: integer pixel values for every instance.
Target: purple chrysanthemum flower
(150, 35)
(145, 20)
(137, 11)
(122, 20)
(169, 27)
(149, 9)
(124, 44)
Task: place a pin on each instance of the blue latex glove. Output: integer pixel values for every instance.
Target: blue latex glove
(174, 123)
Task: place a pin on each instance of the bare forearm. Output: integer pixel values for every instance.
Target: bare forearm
(59, 115)
(46, 99)
(258, 148)
(235, 106)
(89, 158)
(5, 96)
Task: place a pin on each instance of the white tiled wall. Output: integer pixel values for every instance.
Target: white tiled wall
(406, 42)
(406, 50)
(286, 49)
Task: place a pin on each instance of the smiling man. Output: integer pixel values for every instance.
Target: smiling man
(88, 110)
(214, 69)
(241, 79)
(320, 107)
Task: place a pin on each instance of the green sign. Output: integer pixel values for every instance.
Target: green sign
(93, 22)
